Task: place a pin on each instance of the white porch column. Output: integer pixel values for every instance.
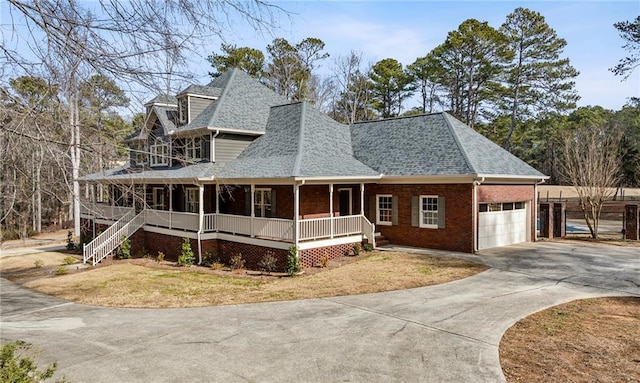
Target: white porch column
(362, 199)
(217, 199)
(296, 215)
(215, 219)
(331, 210)
(200, 220)
(201, 207)
(170, 203)
(253, 207)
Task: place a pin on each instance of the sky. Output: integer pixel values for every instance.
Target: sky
(406, 30)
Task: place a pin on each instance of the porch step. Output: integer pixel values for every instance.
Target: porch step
(381, 240)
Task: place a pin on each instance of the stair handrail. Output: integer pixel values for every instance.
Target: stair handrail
(103, 250)
(369, 230)
(88, 248)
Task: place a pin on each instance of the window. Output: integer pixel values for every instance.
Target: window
(157, 198)
(262, 203)
(159, 153)
(192, 197)
(193, 148)
(183, 110)
(519, 205)
(429, 211)
(384, 209)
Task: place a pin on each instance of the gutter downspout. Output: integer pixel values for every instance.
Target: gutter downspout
(535, 209)
(476, 183)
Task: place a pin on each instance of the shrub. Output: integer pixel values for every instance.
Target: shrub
(124, 250)
(18, 365)
(62, 270)
(324, 260)
(356, 249)
(268, 263)
(210, 258)
(293, 262)
(236, 262)
(38, 263)
(160, 257)
(69, 260)
(186, 257)
(367, 247)
(70, 244)
(217, 265)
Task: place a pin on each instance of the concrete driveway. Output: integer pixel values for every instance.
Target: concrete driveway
(444, 333)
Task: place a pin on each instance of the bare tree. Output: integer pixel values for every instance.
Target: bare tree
(140, 43)
(352, 102)
(591, 164)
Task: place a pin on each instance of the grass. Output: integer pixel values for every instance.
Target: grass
(145, 283)
(590, 340)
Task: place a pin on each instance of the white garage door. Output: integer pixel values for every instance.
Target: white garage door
(501, 228)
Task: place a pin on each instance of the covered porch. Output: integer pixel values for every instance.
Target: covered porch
(295, 214)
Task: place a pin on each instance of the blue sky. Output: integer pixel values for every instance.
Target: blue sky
(405, 30)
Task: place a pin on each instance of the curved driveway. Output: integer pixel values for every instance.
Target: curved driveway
(444, 333)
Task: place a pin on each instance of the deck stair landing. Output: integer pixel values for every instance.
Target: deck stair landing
(104, 244)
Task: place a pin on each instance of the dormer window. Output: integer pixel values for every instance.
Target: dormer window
(159, 153)
(193, 149)
(183, 110)
(140, 156)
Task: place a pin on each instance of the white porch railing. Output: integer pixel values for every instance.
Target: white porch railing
(173, 220)
(276, 228)
(271, 228)
(104, 211)
(234, 224)
(317, 228)
(110, 239)
(314, 228)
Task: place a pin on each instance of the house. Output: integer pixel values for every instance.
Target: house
(237, 169)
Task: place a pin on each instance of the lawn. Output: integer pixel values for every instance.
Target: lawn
(147, 283)
(590, 340)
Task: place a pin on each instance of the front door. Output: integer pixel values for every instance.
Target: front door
(345, 201)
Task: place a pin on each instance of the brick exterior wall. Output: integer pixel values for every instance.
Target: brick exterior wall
(252, 254)
(505, 193)
(455, 236)
(170, 245)
(314, 200)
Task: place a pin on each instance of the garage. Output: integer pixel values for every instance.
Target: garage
(501, 224)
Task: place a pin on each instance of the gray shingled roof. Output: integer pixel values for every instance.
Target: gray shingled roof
(162, 112)
(133, 136)
(163, 99)
(300, 141)
(432, 145)
(185, 173)
(243, 105)
(203, 90)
